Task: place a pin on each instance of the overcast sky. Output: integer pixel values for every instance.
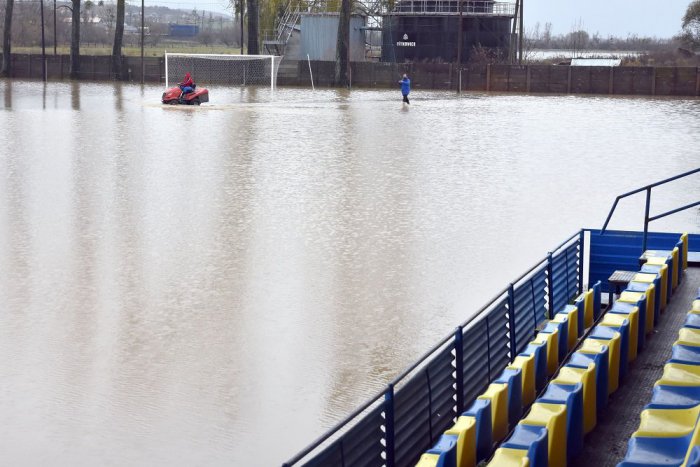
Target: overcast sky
(655, 18)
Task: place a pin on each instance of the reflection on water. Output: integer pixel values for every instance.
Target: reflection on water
(180, 284)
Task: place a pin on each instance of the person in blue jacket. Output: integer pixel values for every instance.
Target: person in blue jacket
(405, 88)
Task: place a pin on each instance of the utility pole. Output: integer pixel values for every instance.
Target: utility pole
(513, 51)
(143, 64)
(242, 5)
(43, 42)
(522, 33)
(460, 32)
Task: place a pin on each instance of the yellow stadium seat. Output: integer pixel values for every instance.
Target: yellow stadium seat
(585, 376)
(676, 267)
(465, 431)
(634, 298)
(552, 341)
(663, 272)
(679, 374)
(688, 336)
(617, 320)
(498, 395)
(588, 308)
(553, 417)
(593, 346)
(684, 239)
(650, 292)
(668, 423)
(696, 306)
(428, 460)
(508, 457)
(526, 364)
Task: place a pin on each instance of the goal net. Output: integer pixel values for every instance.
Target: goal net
(235, 70)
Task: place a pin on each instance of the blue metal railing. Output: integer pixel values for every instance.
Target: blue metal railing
(648, 218)
(399, 423)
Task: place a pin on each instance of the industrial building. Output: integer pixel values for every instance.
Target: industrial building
(428, 30)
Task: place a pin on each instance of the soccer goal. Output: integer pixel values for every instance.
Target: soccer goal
(235, 70)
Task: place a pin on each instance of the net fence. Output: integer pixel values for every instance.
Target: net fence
(234, 70)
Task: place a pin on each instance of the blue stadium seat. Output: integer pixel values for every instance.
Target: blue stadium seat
(582, 360)
(563, 329)
(607, 334)
(540, 353)
(648, 452)
(572, 397)
(692, 320)
(446, 450)
(688, 354)
(532, 438)
(675, 396)
(481, 411)
(513, 378)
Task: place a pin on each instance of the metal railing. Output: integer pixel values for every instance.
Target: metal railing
(648, 218)
(469, 7)
(400, 422)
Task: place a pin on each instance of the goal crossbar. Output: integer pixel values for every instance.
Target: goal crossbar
(274, 61)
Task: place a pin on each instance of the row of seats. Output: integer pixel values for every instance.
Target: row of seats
(553, 430)
(552, 433)
(669, 432)
(499, 409)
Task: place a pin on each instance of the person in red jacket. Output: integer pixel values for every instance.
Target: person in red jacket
(187, 84)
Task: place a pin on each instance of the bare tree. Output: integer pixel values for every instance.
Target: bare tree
(75, 40)
(118, 37)
(7, 40)
(342, 49)
(691, 24)
(252, 6)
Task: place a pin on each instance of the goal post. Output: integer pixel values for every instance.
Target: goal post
(235, 70)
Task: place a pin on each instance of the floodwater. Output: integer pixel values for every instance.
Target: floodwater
(219, 285)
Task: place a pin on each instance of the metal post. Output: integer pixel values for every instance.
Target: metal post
(459, 368)
(43, 43)
(646, 220)
(581, 259)
(143, 64)
(511, 321)
(550, 287)
(389, 419)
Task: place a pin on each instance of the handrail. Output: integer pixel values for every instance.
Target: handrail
(647, 218)
(424, 358)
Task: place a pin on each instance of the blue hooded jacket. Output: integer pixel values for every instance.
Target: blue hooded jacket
(405, 86)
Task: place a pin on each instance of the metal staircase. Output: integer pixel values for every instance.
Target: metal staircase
(284, 28)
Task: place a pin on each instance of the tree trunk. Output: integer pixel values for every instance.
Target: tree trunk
(342, 49)
(6, 40)
(75, 40)
(253, 27)
(118, 36)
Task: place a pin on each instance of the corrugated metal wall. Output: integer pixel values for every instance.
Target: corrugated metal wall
(319, 34)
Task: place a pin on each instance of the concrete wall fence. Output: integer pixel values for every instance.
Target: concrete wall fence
(554, 79)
